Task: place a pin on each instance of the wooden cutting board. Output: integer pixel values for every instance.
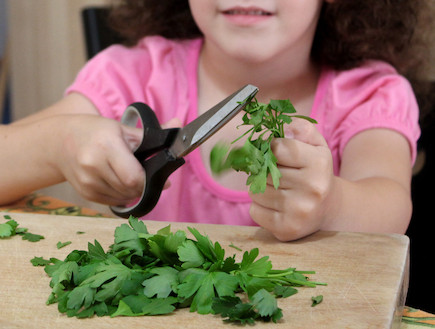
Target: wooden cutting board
(367, 275)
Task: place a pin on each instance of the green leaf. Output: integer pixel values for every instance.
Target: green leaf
(174, 240)
(81, 296)
(204, 244)
(316, 300)
(60, 244)
(162, 284)
(265, 302)
(165, 230)
(6, 230)
(124, 310)
(96, 251)
(108, 279)
(252, 266)
(251, 285)
(225, 284)
(282, 106)
(39, 261)
(202, 301)
(190, 281)
(284, 118)
(229, 265)
(158, 248)
(159, 306)
(234, 310)
(270, 163)
(141, 305)
(126, 238)
(204, 286)
(284, 291)
(32, 237)
(138, 225)
(62, 272)
(190, 255)
(134, 285)
(257, 182)
(217, 158)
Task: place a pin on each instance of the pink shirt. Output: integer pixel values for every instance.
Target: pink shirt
(163, 74)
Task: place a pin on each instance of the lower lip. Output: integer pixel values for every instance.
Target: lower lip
(246, 20)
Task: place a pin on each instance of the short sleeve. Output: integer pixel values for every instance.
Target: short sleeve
(157, 71)
(113, 79)
(371, 96)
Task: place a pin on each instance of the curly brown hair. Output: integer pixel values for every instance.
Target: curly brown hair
(348, 32)
(135, 19)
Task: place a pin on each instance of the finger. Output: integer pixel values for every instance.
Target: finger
(271, 199)
(265, 217)
(96, 189)
(304, 131)
(173, 123)
(132, 136)
(294, 153)
(125, 173)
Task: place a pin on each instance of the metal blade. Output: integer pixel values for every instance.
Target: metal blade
(200, 129)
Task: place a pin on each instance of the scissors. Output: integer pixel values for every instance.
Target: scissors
(161, 151)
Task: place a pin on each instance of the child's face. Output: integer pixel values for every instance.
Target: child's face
(258, 30)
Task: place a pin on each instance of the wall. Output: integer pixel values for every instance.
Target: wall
(3, 26)
(47, 50)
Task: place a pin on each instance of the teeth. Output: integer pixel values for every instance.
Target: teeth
(247, 12)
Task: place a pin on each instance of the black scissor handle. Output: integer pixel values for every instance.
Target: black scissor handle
(158, 166)
(154, 137)
(157, 170)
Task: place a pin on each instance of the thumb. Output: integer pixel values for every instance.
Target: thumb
(133, 136)
(173, 123)
(304, 131)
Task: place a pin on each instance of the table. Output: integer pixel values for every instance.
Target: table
(40, 204)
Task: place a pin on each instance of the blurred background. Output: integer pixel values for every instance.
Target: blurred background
(44, 45)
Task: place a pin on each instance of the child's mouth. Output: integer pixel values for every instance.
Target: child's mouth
(246, 16)
(247, 12)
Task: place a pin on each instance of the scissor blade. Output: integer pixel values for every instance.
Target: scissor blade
(200, 129)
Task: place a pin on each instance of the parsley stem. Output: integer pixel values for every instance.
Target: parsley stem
(277, 275)
(243, 135)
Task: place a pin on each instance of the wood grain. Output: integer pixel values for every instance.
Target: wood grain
(366, 275)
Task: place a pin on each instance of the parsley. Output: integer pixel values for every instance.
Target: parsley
(10, 228)
(255, 157)
(60, 244)
(32, 237)
(153, 274)
(39, 261)
(316, 300)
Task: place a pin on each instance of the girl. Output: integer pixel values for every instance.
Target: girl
(336, 60)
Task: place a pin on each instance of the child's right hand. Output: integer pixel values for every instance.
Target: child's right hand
(96, 156)
(71, 141)
(98, 159)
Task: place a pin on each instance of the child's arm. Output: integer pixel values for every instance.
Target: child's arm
(372, 193)
(70, 141)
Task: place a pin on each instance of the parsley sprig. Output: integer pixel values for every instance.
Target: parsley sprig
(154, 274)
(255, 157)
(11, 228)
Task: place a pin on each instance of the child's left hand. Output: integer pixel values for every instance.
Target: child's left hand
(298, 207)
